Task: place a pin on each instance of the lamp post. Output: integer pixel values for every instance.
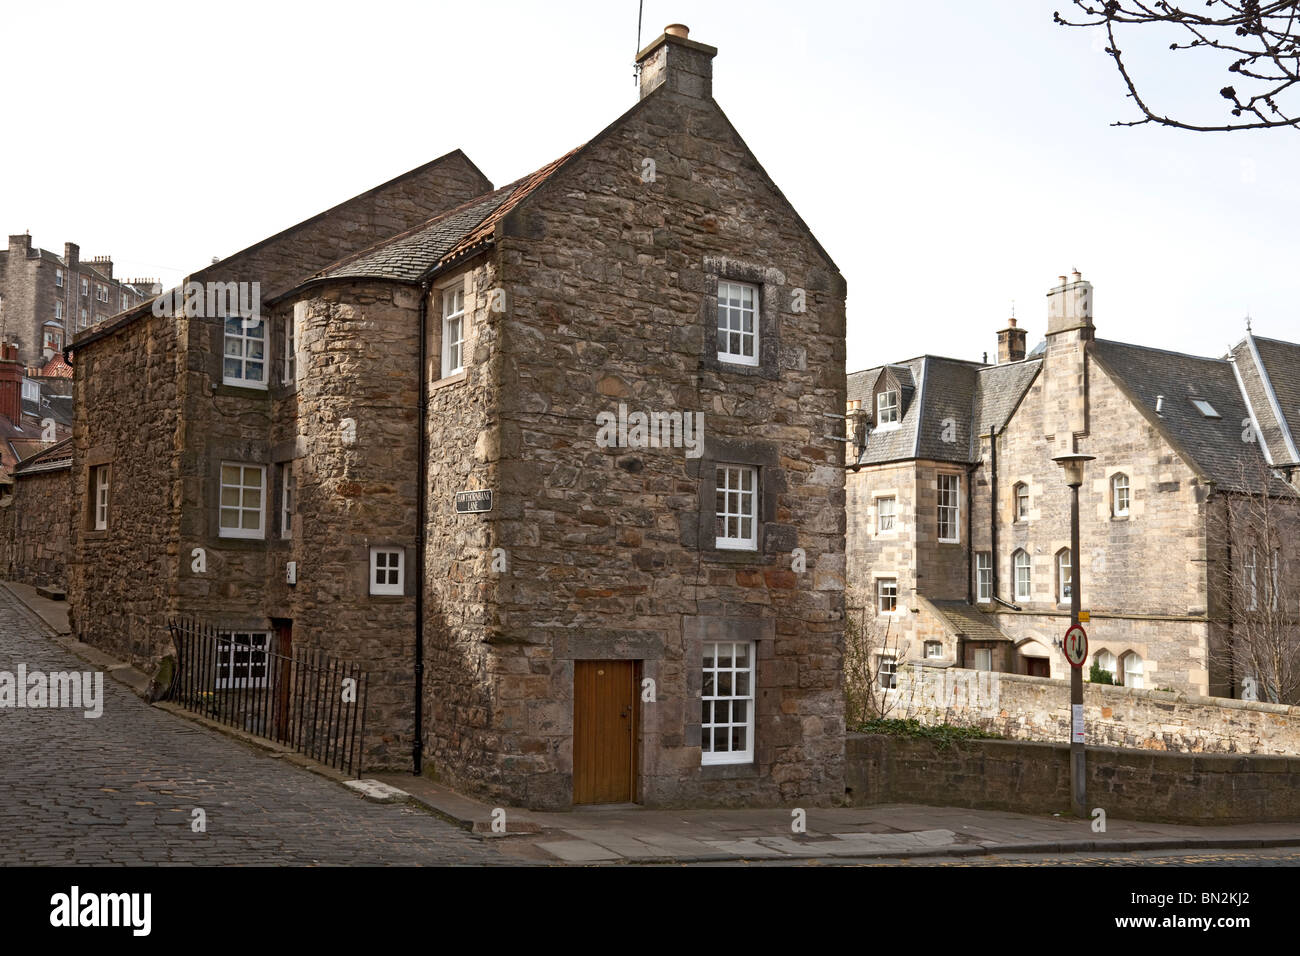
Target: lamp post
(1073, 466)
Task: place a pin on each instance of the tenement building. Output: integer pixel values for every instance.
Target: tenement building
(556, 454)
(46, 298)
(958, 517)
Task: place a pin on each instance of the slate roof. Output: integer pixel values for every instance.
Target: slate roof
(1281, 361)
(954, 402)
(1211, 446)
(54, 458)
(410, 256)
(970, 622)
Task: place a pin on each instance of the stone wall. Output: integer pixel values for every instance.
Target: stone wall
(34, 528)
(1038, 708)
(1035, 778)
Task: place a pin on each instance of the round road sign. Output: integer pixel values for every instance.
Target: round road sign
(1076, 645)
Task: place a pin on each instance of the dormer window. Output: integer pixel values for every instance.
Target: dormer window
(1205, 408)
(887, 408)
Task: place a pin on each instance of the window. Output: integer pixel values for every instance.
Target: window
(99, 486)
(983, 659)
(83, 322)
(1106, 661)
(933, 649)
(31, 391)
(85, 287)
(58, 309)
(1205, 408)
(984, 575)
(58, 278)
(245, 354)
(885, 511)
(101, 292)
(53, 339)
(124, 302)
(738, 323)
(736, 513)
(1132, 670)
(290, 357)
(387, 571)
(1020, 564)
(288, 489)
(949, 507)
(1021, 493)
(242, 492)
(1063, 577)
(453, 331)
(242, 659)
(727, 703)
(887, 408)
(886, 595)
(1248, 580)
(1119, 495)
(887, 671)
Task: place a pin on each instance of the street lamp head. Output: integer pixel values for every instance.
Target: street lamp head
(1073, 465)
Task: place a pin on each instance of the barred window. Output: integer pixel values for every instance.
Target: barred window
(242, 659)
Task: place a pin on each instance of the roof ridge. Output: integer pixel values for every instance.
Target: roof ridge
(1152, 348)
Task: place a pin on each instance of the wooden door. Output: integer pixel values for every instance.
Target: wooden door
(604, 731)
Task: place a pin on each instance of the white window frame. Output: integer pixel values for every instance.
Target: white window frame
(1133, 678)
(731, 321)
(983, 659)
(887, 404)
(58, 309)
(388, 586)
(83, 321)
(453, 363)
(102, 483)
(933, 650)
(58, 278)
(1108, 662)
(31, 391)
(53, 339)
(715, 703)
(245, 468)
(288, 494)
(85, 286)
(984, 576)
(1028, 565)
(887, 670)
(244, 338)
(891, 515)
(228, 645)
(887, 594)
(289, 373)
(954, 508)
(745, 502)
(1115, 488)
(1062, 568)
(1205, 408)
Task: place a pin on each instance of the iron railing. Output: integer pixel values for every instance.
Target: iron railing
(305, 699)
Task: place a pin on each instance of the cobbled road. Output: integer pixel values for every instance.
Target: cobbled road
(122, 788)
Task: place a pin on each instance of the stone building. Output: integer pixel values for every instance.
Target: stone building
(958, 519)
(45, 298)
(554, 454)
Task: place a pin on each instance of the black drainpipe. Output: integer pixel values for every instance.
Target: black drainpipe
(970, 539)
(417, 749)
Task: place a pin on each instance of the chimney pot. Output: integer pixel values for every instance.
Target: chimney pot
(678, 30)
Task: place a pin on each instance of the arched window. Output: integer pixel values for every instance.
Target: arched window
(1106, 661)
(1020, 564)
(1064, 579)
(1119, 495)
(1020, 502)
(1132, 669)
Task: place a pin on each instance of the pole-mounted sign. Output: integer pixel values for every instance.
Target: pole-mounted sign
(1076, 645)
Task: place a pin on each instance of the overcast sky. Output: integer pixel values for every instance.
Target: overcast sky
(951, 156)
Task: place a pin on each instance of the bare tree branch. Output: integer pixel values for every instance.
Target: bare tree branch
(1260, 42)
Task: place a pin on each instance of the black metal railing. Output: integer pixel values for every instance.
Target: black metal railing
(305, 699)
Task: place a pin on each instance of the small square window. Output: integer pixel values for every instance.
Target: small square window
(738, 310)
(933, 649)
(736, 510)
(387, 571)
(886, 595)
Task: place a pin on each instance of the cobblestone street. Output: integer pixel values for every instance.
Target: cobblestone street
(121, 789)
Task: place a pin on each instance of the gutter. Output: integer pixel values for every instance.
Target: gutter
(421, 504)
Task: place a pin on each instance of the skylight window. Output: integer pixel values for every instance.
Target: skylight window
(1205, 408)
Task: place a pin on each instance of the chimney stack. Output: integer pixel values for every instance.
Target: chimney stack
(1011, 343)
(11, 383)
(1069, 307)
(72, 259)
(20, 246)
(684, 66)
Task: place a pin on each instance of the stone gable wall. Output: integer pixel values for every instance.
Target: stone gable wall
(34, 529)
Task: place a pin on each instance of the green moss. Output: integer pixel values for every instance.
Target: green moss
(942, 735)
